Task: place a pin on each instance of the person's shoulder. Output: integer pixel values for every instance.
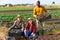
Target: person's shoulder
(15, 21)
(42, 6)
(35, 7)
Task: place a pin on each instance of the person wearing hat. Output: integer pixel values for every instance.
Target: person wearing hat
(18, 23)
(17, 28)
(30, 29)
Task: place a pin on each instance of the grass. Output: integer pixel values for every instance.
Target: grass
(55, 13)
(53, 32)
(22, 8)
(15, 8)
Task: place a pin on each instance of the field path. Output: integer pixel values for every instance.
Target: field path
(19, 11)
(3, 32)
(50, 37)
(15, 11)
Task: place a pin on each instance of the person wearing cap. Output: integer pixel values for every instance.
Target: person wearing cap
(30, 29)
(18, 23)
(40, 12)
(17, 29)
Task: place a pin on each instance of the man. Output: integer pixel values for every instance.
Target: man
(39, 14)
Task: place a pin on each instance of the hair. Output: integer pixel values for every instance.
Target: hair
(38, 1)
(33, 22)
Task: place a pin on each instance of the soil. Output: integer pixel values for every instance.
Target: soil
(3, 31)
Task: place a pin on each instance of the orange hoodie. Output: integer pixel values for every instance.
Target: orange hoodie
(38, 10)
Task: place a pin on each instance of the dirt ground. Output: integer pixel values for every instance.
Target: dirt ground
(3, 32)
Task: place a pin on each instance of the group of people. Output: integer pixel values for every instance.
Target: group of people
(29, 28)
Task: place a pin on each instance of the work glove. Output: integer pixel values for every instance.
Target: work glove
(33, 35)
(26, 32)
(22, 29)
(35, 16)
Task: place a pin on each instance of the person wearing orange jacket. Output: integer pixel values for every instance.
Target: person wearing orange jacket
(40, 12)
(38, 9)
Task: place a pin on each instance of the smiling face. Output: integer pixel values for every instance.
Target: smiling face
(19, 18)
(30, 21)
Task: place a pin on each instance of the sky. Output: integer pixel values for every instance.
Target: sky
(2, 2)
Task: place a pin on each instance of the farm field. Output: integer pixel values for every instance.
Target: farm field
(3, 33)
(15, 8)
(24, 8)
(11, 16)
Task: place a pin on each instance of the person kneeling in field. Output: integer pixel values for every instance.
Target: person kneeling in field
(16, 30)
(30, 29)
(18, 23)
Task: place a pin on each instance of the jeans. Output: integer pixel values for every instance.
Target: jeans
(28, 33)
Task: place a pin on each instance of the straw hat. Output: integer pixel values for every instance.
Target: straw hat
(18, 16)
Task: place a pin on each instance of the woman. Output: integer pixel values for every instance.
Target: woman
(30, 29)
(18, 23)
(16, 30)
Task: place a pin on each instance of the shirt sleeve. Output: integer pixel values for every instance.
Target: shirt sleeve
(12, 25)
(44, 9)
(23, 25)
(34, 11)
(34, 29)
(27, 26)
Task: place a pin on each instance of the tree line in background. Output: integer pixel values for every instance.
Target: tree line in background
(27, 4)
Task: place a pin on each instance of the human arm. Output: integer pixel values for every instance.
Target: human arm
(34, 12)
(22, 26)
(12, 25)
(45, 10)
(34, 28)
